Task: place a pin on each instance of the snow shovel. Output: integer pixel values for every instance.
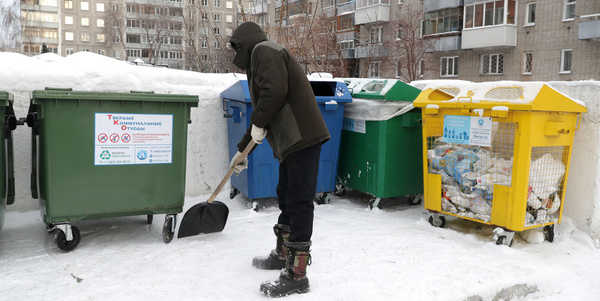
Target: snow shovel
(209, 216)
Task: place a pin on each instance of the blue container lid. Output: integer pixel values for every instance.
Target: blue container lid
(325, 91)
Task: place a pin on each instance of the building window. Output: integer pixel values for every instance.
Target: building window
(569, 12)
(204, 16)
(447, 20)
(229, 18)
(490, 13)
(228, 4)
(217, 31)
(85, 37)
(492, 64)
(216, 45)
(68, 20)
(68, 51)
(99, 6)
(204, 58)
(376, 34)
(134, 52)
(228, 31)
(85, 21)
(69, 4)
(528, 63)
(100, 23)
(203, 44)
(100, 38)
(346, 22)
(217, 3)
(101, 52)
(115, 7)
(375, 69)
(204, 3)
(217, 17)
(116, 54)
(85, 6)
(69, 36)
(449, 66)
(530, 14)
(565, 61)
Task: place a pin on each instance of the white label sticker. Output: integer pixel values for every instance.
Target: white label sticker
(468, 130)
(123, 138)
(354, 125)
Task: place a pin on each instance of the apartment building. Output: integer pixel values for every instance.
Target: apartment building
(478, 40)
(180, 34)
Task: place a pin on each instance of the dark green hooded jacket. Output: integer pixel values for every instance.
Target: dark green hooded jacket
(282, 99)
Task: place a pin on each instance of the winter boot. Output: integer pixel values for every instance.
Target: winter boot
(276, 259)
(292, 279)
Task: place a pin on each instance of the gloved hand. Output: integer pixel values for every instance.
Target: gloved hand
(258, 134)
(240, 166)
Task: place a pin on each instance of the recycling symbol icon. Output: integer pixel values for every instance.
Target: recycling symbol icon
(105, 155)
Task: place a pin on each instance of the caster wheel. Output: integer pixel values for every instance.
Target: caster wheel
(549, 233)
(233, 193)
(340, 190)
(50, 228)
(503, 240)
(375, 202)
(64, 244)
(323, 199)
(169, 228)
(150, 219)
(439, 222)
(416, 199)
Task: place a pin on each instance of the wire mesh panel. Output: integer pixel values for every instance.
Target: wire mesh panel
(469, 172)
(546, 184)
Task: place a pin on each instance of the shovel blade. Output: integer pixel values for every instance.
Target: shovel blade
(204, 218)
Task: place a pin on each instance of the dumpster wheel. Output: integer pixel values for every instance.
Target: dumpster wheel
(169, 228)
(436, 220)
(64, 244)
(234, 191)
(549, 233)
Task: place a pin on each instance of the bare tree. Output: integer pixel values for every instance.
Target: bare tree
(409, 48)
(10, 27)
(114, 28)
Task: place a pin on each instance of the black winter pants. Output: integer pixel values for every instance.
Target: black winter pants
(296, 191)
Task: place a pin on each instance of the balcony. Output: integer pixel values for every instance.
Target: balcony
(490, 36)
(372, 11)
(345, 9)
(434, 5)
(446, 43)
(589, 27)
(371, 51)
(348, 53)
(259, 9)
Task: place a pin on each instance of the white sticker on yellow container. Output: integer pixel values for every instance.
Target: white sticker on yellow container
(471, 130)
(124, 138)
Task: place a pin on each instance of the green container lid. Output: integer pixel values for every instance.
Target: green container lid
(382, 89)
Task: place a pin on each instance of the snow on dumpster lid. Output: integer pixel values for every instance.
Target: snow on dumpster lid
(537, 96)
(384, 89)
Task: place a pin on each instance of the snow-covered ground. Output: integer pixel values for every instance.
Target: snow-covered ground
(358, 254)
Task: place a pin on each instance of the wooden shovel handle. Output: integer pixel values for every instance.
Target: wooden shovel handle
(231, 171)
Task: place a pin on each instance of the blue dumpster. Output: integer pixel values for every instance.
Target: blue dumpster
(261, 178)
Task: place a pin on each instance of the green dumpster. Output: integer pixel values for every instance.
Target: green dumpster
(7, 182)
(98, 155)
(381, 141)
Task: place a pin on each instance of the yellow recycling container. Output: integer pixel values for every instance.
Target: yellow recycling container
(497, 153)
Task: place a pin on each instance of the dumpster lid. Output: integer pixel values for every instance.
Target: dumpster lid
(324, 89)
(382, 89)
(67, 94)
(521, 96)
(5, 97)
(376, 110)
